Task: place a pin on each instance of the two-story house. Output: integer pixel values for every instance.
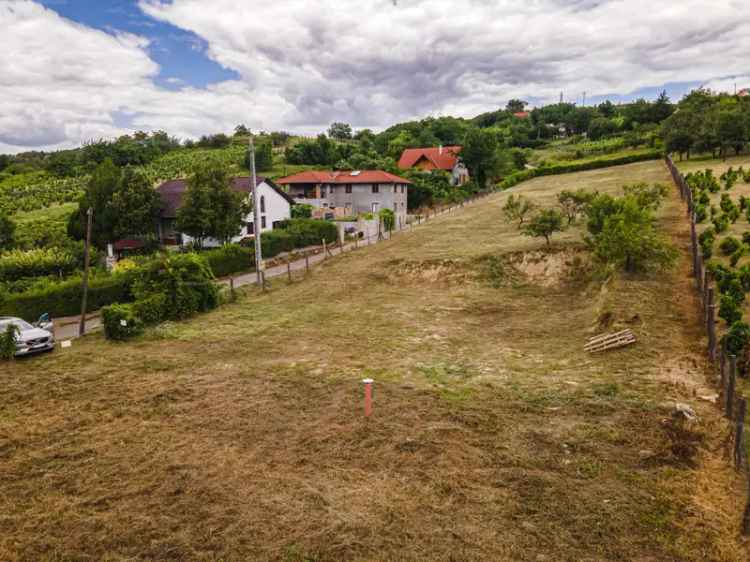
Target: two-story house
(274, 203)
(349, 193)
(436, 158)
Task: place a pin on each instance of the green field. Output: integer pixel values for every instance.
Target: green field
(239, 434)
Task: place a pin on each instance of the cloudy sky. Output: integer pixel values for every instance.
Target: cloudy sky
(73, 70)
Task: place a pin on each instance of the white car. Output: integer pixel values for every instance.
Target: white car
(31, 338)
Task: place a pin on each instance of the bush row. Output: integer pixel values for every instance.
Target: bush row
(518, 177)
(39, 262)
(64, 298)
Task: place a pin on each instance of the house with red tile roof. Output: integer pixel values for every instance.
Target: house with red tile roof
(522, 114)
(436, 158)
(349, 193)
(744, 92)
(275, 206)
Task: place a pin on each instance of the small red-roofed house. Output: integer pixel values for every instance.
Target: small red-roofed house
(436, 158)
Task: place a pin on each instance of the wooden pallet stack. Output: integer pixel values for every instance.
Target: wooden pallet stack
(604, 342)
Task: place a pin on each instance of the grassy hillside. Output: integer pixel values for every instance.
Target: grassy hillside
(239, 434)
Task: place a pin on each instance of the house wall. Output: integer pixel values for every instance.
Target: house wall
(362, 198)
(277, 208)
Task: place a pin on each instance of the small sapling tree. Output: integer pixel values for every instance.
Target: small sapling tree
(517, 209)
(545, 224)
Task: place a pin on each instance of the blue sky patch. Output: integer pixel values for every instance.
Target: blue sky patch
(180, 54)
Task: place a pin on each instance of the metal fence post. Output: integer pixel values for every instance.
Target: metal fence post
(739, 440)
(711, 325)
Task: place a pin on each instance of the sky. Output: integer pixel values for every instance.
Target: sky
(76, 70)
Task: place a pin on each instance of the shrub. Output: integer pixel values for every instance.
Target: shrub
(309, 232)
(729, 245)
(185, 281)
(302, 211)
(275, 242)
(729, 310)
(389, 219)
(700, 213)
(120, 322)
(737, 255)
(64, 298)
(706, 241)
(38, 262)
(230, 259)
(737, 338)
(720, 223)
(151, 309)
(8, 342)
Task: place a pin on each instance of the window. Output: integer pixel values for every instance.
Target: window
(262, 204)
(395, 188)
(375, 188)
(330, 190)
(403, 189)
(250, 228)
(263, 222)
(348, 188)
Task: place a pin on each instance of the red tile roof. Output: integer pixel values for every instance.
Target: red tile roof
(128, 244)
(171, 193)
(363, 176)
(522, 114)
(442, 159)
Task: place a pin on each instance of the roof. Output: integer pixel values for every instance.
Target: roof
(128, 244)
(342, 177)
(522, 114)
(171, 192)
(442, 158)
(744, 92)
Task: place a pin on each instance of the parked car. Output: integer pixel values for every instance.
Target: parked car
(32, 338)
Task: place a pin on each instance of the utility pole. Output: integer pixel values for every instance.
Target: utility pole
(584, 99)
(86, 260)
(256, 214)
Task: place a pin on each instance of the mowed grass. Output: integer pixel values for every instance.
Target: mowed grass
(239, 435)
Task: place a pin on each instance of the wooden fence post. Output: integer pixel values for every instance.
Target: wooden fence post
(325, 249)
(723, 365)
(711, 325)
(739, 441)
(307, 263)
(289, 269)
(731, 382)
(231, 289)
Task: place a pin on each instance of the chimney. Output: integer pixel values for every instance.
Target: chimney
(440, 150)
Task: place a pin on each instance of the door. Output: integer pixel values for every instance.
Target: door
(376, 208)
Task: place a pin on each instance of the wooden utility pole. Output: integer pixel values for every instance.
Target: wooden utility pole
(86, 260)
(256, 214)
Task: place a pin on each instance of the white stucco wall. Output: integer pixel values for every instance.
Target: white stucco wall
(277, 208)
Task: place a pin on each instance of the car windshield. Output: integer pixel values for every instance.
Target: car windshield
(22, 325)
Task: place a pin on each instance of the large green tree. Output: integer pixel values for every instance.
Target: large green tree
(211, 208)
(135, 205)
(97, 196)
(480, 155)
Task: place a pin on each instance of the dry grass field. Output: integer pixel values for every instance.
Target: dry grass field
(239, 435)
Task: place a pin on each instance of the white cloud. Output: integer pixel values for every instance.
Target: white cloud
(304, 64)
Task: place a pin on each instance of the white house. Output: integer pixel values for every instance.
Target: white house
(274, 206)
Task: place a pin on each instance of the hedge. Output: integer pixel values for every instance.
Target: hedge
(39, 262)
(120, 322)
(309, 232)
(64, 298)
(518, 177)
(229, 259)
